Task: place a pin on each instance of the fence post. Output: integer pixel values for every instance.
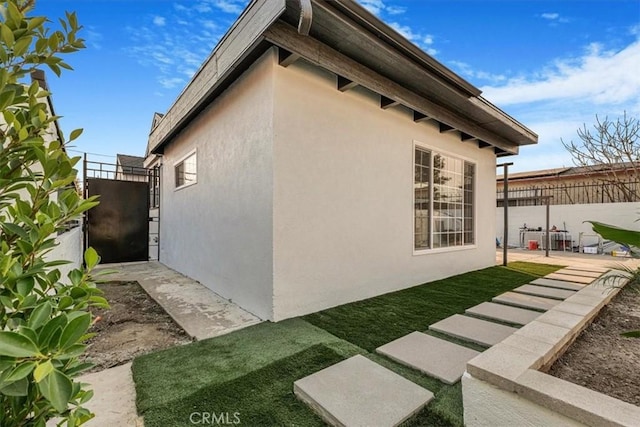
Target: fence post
(505, 197)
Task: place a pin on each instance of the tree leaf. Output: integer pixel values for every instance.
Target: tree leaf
(15, 345)
(618, 235)
(74, 330)
(7, 35)
(91, 258)
(16, 388)
(57, 389)
(20, 371)
(631, 334)
(75, 134)
(42, 371)
(40, 315)
(25, 285)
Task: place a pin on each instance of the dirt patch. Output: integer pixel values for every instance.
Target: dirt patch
(600, 359)
(134, 325)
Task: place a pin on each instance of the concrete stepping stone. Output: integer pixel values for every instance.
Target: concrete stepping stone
(359, 392)
(505, 313)
(526, 301)
(592, 274)
(587, 268)
(560, 284)
(543, 291)
(570, 278)
(473, 329)
(436, 357)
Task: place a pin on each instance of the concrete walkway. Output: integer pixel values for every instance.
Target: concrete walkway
(332, 393)
(566, 258)
(198, 310)
(114, 401)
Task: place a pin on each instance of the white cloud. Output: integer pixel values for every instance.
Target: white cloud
(176, 55)
(170, 82)
(469, 72)
(395, 10)
(550, 16)
(424, 41)
(600, 76)
(230, 6)
(160, 21)
(554, 18)
(93, 38)
(380, 7)
(562, 96)
(373, 6)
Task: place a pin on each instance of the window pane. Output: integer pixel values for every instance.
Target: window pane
(186, 171)
(446, 185)
(422, 199)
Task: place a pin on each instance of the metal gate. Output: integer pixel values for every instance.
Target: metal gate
(118, 228)
(127, 218)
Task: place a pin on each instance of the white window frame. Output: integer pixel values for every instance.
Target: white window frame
(178, 163)
(432, 250)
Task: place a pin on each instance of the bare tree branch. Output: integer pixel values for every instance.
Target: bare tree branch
(611, 149)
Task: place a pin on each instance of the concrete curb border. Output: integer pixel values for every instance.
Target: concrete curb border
(513, 373)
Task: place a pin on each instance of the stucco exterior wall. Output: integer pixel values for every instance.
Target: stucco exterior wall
(219, 230)
(572, 217)
(343, 196)
(69, 248)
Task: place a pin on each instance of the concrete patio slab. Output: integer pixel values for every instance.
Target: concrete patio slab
(593, 268)
(570, 278)
(197, 309)
(526, 301)
(582, 273)
(543, 291)
(560, 284)
(435, 357)
(359, 392)
(473, 329)
(505, 313)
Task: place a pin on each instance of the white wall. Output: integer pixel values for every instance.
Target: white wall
(219, 231)
(343, 196)
(69, 248)
(623, 215)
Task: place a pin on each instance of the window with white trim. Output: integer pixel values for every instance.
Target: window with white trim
(443, 200)
(186, 171)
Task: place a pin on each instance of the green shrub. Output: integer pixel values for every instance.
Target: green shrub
(44, 318)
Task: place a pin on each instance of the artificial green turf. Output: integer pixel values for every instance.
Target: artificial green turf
(172, 374)
(396, 314)
(262, 397)
(252, 371)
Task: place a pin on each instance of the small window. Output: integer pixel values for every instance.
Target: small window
(186, 171)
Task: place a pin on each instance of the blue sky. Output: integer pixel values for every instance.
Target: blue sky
(552, 65)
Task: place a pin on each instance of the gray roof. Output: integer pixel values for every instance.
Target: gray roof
(628, 168)
(344, 38)
(132, 165)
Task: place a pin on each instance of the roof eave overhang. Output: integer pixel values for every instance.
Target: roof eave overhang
(444, 96)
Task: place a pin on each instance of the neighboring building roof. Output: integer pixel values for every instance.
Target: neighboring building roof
(344, 38)
(543, 173)
(571, 171)
(131, 165)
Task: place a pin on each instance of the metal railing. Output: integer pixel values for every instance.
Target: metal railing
(622, 191)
